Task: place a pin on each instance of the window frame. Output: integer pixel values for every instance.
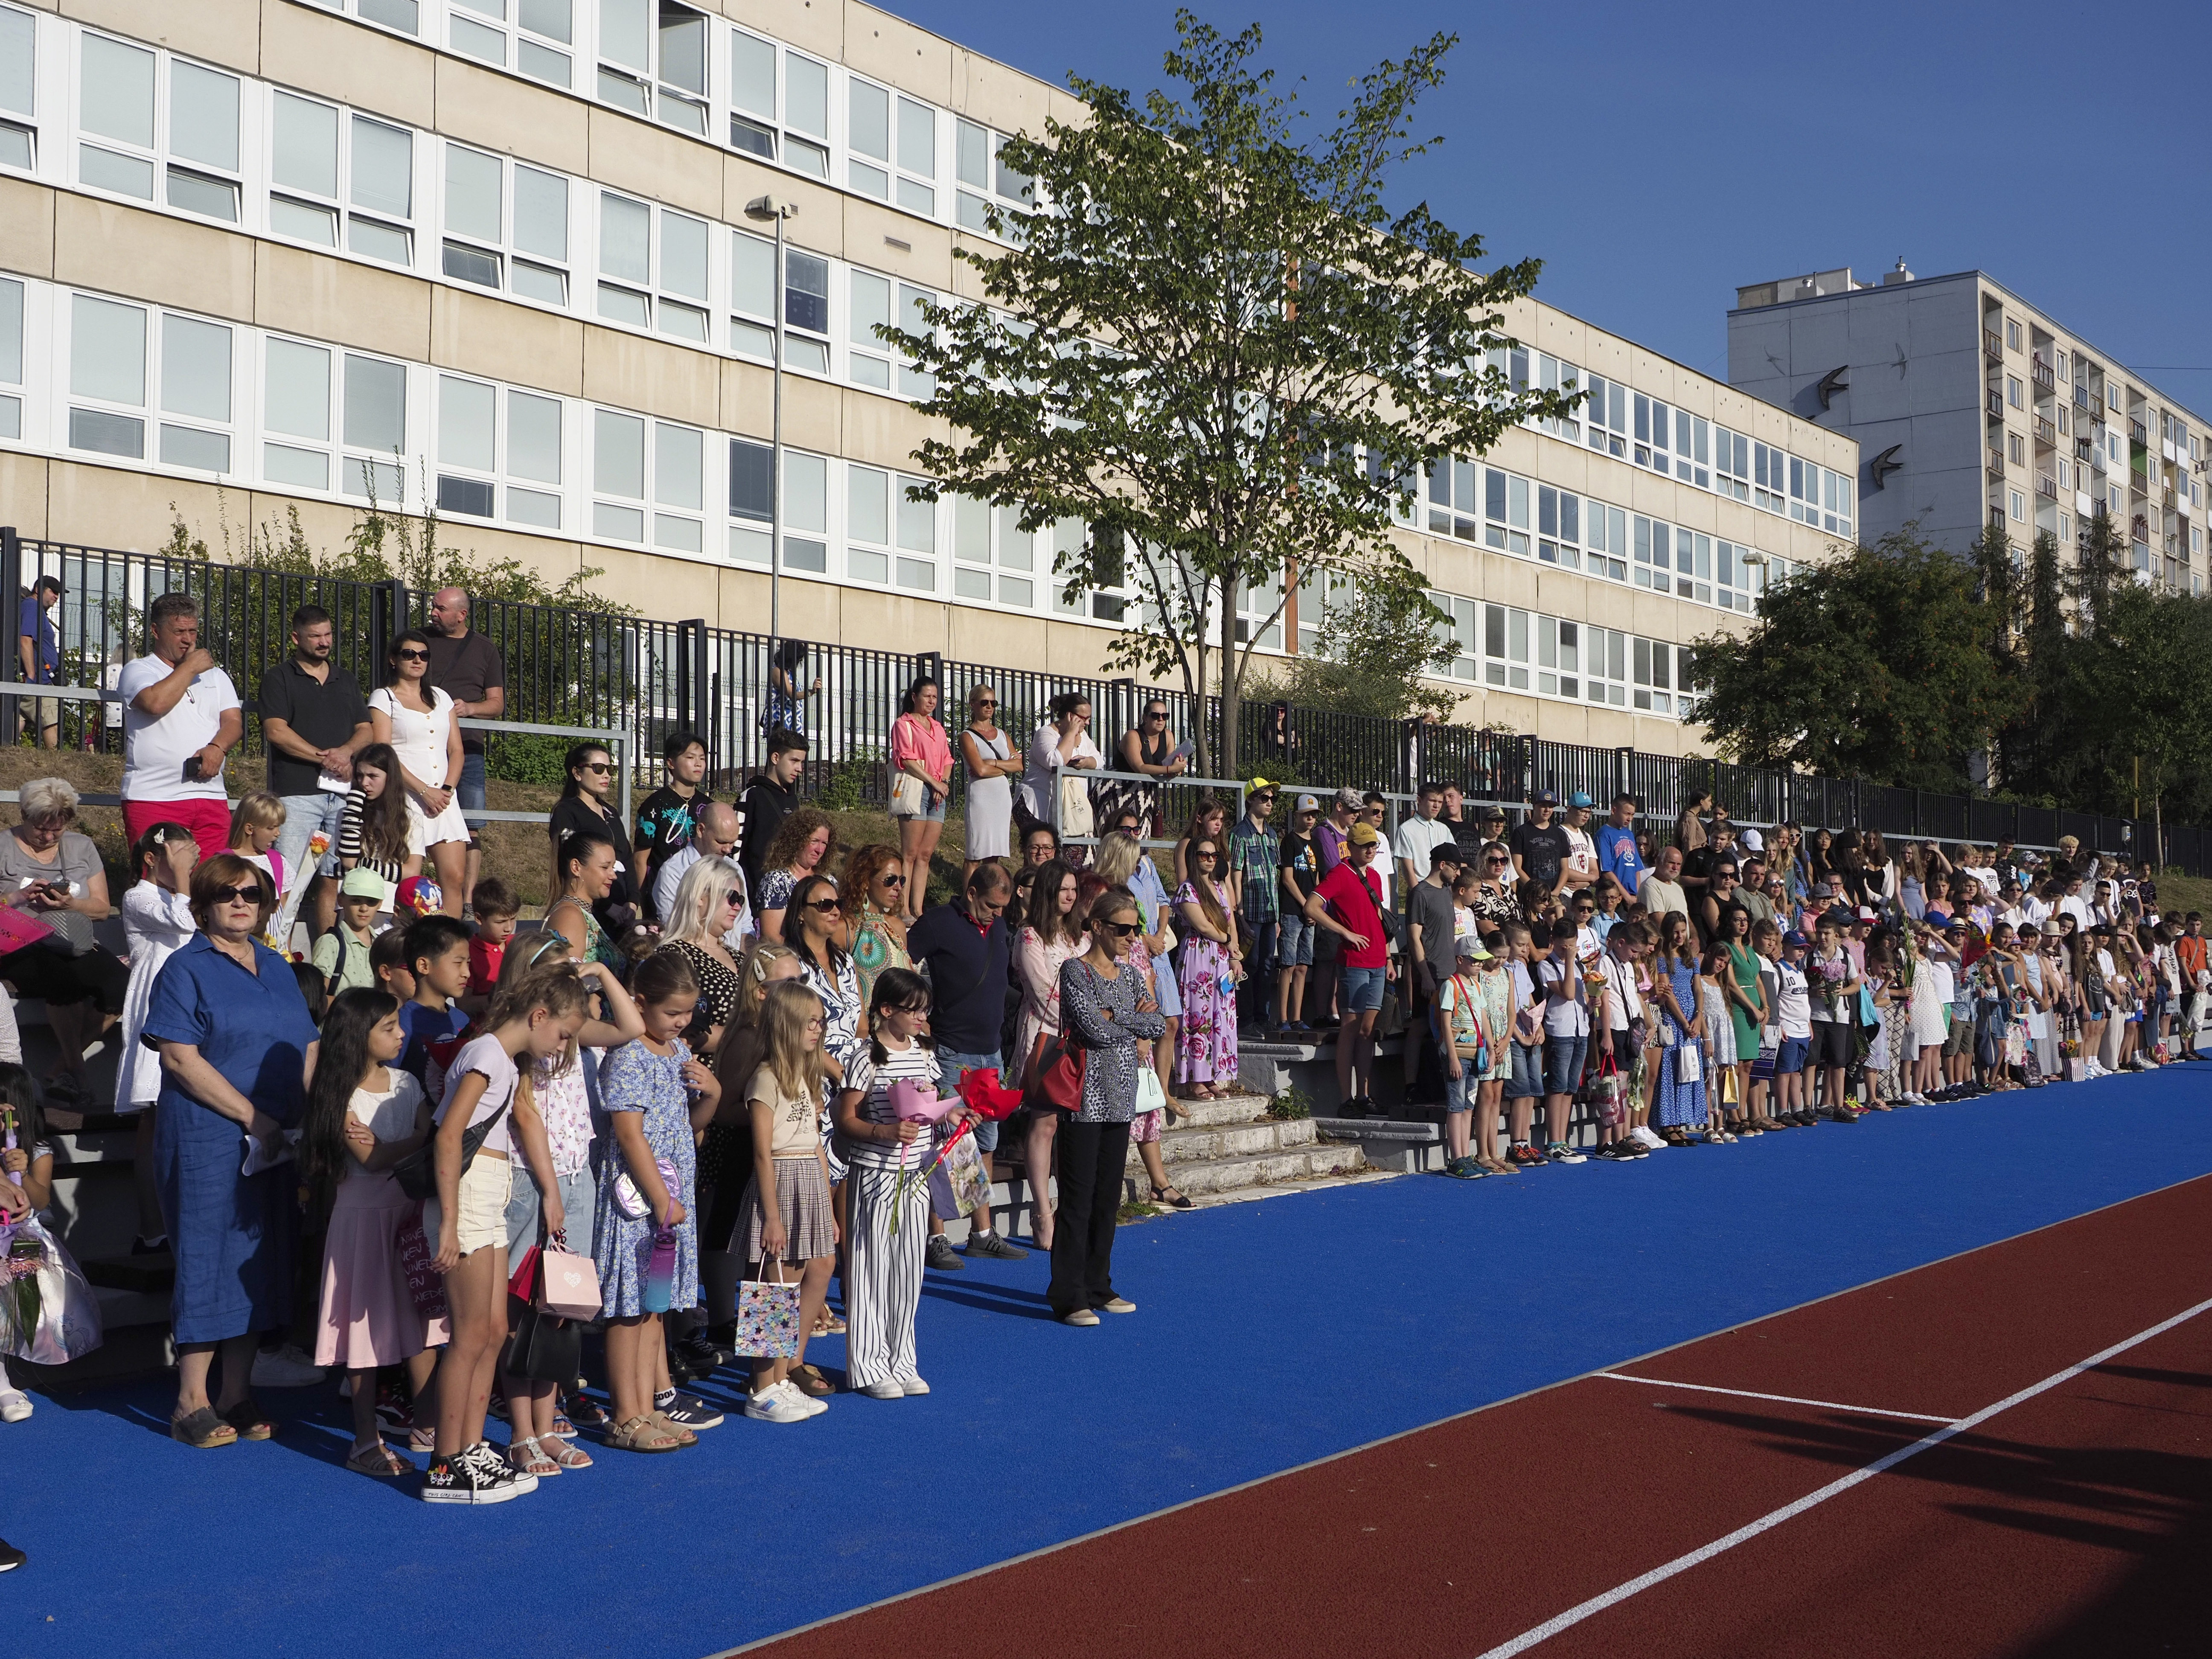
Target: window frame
(166, 164)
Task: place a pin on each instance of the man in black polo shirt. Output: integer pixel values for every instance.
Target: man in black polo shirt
(467, 667)
(1539, 846)
(964, 950)
(315, 720)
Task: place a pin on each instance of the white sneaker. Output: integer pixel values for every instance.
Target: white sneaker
(806, 1402)
(774, 1404)
(913, 1384)
(15, 1405)
(1647, 1136)
(886, 1389)
(285, 1368)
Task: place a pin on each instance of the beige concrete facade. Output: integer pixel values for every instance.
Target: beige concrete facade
(67, 239)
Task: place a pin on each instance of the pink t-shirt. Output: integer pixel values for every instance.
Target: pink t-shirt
(916, 736)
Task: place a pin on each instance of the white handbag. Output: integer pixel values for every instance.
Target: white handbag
(1150, 1096)
(1075, 816)
(1689, 1061)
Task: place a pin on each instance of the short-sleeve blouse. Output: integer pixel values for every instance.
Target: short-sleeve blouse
(254, 1028)
(718, 992)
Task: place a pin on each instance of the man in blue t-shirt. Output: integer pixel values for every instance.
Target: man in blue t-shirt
(39, 648)
(1616, 845)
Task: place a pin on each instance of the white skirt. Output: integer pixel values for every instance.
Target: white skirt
(424, 832)
(1931, 1018)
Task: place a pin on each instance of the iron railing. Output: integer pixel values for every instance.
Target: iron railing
(584, 670)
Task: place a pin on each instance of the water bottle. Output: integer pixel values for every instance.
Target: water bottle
(660, 1270)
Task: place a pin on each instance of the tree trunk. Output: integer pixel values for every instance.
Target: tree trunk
(1232, 682)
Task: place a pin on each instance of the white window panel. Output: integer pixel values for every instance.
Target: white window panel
(618, 470)
(983, 176)
(867, 525)
(806, 116)
(752, 95)
(1506, 647)
(533, 453)
(1605, 415)
(917, 158)
(1559, 527)
(628, 267)
(468, 447)
(914, 566)
(1605, 535)
(296, 404)
(405, 17)
(914, 381)
(19, 86)
(1731, 463)
(753, 501)
(868, 138)
(194, 157)
(533, 37)
(806, 309)
(368, 181)
(476, 217)
(679, 468)
(115, 98)
(652, 61)
(753, 296)
(196, 384)
(1504, 511)
(376, 421)
(1453, 508)
(108, 365)
(869, 301)
(540, 224)
(806, 511)
(11, 357)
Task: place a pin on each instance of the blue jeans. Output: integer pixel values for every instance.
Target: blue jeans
(469, 788)
(578, 1192)
(1562, 1063)
(1460, 1091)
(303, 816)
(953, 1065)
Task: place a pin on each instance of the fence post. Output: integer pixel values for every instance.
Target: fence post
(1529, 782)
(11, 584)
(1624, 776)
(388, 620)
(691, 674)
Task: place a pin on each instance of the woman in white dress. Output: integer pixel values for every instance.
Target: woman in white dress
(157, 918)
(992, 767)
(416, 719)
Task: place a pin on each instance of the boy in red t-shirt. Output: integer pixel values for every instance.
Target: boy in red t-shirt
(494, 907)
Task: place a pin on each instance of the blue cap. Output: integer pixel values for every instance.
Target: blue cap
(1580, 798)
(1794, 939)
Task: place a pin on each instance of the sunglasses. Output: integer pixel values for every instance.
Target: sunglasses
(1122, 929)
(1498, 862)
(733, 898)
(251, 892)
(1207, 854)
(411, 655)
(826, 906)
(1156, 714)
(601, 767)
(891, 879)
(986, 703)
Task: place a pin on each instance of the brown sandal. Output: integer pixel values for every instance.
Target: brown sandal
(378, 1460)
(669, 1425)
(643, 1434)
(202, 1430)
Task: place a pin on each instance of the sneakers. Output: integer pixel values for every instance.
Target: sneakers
(478, 1475)
(1559, 1152)
(700, 1352)
(1646, 1136)
(779, 1403)
(992, 1245)
(285, 1368)
(913, 1384)
(941, 1255)
(1080, 1316)
(1466, 1169)
(888, 1389)
(685, 1412)
(1524, 1155)
(15, 1405)
(1118, 1304)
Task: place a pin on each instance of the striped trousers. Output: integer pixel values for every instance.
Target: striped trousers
(884, 1285)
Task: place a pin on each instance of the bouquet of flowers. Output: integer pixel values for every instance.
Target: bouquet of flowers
(1828, 981)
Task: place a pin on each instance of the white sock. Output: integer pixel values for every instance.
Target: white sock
(5, 1385)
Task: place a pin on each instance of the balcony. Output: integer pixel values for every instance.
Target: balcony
(1997, 405)
(2046, 433)
(2046, 379)
(2081, 396)
(1992, 345)
(1995, 463)
(2083, 449)
(2046, 485)
(2139, 433)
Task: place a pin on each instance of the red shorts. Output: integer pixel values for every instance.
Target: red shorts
(209, 821)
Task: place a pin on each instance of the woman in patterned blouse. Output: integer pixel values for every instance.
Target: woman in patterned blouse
(874, 893)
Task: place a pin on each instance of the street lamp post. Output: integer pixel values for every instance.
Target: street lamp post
(780, 210)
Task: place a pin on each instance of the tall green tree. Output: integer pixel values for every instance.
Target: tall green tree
(1214, 344)
(1877, 665)
(1373, 644)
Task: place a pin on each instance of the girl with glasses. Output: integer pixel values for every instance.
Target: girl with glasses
(1493, 902)
(417, 720)
(1149, 750)
(988, 803)
(1211, 967)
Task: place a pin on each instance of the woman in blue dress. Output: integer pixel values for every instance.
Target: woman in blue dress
(1675, 989)
(237, 1045)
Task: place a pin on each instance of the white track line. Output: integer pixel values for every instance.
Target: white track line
(1782, 1399)
(1575, 1615)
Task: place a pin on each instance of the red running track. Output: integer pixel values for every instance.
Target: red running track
(2077, 1522)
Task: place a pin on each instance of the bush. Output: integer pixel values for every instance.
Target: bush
(527, 757)
(854, 783)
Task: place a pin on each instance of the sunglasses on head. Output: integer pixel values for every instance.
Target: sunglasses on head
(249, 891)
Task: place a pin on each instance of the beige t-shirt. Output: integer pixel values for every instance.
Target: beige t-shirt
(796, 1121)
(1661, 896)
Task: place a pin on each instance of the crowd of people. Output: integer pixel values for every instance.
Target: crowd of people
(732, 1055)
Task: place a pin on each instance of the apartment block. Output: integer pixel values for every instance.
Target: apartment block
(1971, 405)
(493, 256)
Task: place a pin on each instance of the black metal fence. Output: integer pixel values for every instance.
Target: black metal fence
(568, 667)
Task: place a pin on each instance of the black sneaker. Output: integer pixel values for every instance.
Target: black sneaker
(994, 1245)
(10, 1557)
(478, 1475)
(941, 1255)
(700, 1354)
(685, 1412)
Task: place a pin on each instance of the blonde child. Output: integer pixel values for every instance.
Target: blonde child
(254, 828)
(887, 1218)
(27, 1187)
(645, 1200)
(785, 1216)
(465, 1219)
(1458, 1013)
(364, 1114)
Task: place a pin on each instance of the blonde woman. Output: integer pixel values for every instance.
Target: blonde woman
(992, 765)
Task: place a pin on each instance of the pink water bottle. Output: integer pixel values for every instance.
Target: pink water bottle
(660, 1270)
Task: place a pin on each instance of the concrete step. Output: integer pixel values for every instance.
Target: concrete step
(1197, 1146)
(1240, 1108)
(1221, 1174)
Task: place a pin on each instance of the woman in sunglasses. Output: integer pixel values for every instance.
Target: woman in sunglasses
(417, 720)
(1494, 905)
(589, 805)
(988, 803)
(1150, 751)
(236, 1045)
(874, 897)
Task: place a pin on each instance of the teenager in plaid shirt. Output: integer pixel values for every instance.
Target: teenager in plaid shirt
(1254, 851)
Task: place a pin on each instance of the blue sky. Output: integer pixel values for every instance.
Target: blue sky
(1657, 156)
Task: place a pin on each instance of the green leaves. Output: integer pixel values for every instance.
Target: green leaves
(1212, 339)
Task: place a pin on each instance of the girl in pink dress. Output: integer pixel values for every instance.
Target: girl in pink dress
(363, 1115)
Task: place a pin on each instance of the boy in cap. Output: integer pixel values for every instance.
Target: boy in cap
(1460, 1019)
(340, 956)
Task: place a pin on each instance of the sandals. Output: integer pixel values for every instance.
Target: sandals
(669, 1425)
(569, 1456)
(581, 1411)
(378, 1460)
(1174, 1197)
(811, 1382)
(246, 1417)
(527, 1457)
(643, 1434)
(829, 1325)
(1498, 1166)
(202, 1430)
(422, 1437)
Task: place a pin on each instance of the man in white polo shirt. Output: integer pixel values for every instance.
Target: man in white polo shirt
(180, 717)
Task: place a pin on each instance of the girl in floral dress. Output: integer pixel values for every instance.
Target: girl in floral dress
(1206, 1048)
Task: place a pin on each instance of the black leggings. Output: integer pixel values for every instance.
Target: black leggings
(55, 976)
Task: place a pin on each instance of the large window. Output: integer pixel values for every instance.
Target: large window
(652, 61)
(1731, 463)
(1505, 509)
(1559, 527)
(891, 147)
(119, 355)
(1606, 417)
(984, 177)
(479, 452)
(1453, 508)
(368, 417)
(890, 540)
(329, 167)
(11, 358)
(155, 124)
(990, 547)
(19, 84)
(506, 226)
(653, 267)
(535, 38)
(647, 473)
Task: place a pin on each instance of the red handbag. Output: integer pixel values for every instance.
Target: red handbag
(1056, 1075)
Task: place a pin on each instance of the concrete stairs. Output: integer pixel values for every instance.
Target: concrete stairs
(1226, 1146)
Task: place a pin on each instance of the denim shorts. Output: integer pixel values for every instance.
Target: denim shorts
(1359, 990)
(930, 814)
(1562, 1063)
(1294, 949)
(1526, 1081)
(1790, 1059)
(1460, 1091)
(953, 1065)
(579, 1194)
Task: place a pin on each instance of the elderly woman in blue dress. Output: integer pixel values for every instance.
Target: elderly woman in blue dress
(237, 1048)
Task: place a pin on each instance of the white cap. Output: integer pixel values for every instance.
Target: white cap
(1751, 839)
